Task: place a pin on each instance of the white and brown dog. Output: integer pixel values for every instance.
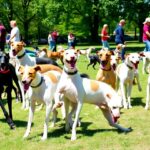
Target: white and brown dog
(125, 74)
(43, 89)
(77, 90)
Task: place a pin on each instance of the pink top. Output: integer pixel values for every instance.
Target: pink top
(145, 29)
(104, 33)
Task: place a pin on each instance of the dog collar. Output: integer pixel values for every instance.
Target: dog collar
(106, 69)
(71, 73)
(4, 71)
(19, 57)
(42, 79)
(129, 66)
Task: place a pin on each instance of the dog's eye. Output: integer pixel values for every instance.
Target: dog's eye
(75, 53)
(66, 53)
(30, 74)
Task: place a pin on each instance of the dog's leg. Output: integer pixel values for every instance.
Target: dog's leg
(30, 119)
(123, 94)
(9, 99)
(138, 81)
(48, 110)
(66, 103)
(94, 65)
(79, 106)
(147, 96)
(108, 116)
(145, 64)
(129, 89)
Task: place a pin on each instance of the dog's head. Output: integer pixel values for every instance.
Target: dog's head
(70, 59)
(119, 47)
(42, 52)
(114, 61)
(115, 103)
(28, 74)
(105, 57)
(133, 60)
(4, 60)
(16, 47)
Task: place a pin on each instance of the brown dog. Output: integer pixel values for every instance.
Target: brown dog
(106, 73)
(52, 55)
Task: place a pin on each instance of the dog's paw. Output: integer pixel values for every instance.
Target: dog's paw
(26, 134)
(146, 107)
(130, 106)
(128, 130)
(73, 138)
(43, 138)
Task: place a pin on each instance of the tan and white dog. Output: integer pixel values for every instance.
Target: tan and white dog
(118, 50)
(106, 72)
(77, 90)
(43, 89)
(125, 74)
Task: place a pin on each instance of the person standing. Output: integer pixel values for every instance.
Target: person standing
(71, 40)
(146, 33)
(50, 41)
(54, 38)
(105, 36)
(15, 34)
(119, 36)
(2, 37)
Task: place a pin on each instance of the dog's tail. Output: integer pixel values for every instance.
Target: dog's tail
(84, 75)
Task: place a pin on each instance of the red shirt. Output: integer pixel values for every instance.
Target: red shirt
(3, 33)
(104, 33)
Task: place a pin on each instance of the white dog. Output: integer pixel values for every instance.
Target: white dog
(77, 90)
(43, 89)
(125, 74)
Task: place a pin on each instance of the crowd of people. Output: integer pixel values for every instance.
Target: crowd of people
(53, 36)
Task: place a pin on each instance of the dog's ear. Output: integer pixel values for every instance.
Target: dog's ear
(111, 52)
(21, 69)
(23, 44)
(126, 55)
(37, 68)
(141, 54)
(44, 49)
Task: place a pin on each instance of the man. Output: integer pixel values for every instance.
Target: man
(146, 33)
(2, 37)
(15, 34)
(119, 36)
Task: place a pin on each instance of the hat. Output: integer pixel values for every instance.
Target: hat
(146, 20)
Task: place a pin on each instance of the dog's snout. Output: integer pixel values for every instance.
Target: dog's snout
(72, 57)
(24, 81)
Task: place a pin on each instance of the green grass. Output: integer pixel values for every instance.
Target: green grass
(94, 133)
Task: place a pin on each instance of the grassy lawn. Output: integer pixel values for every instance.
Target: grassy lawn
(94, 133)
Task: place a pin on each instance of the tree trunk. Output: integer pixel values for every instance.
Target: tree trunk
(140, 32)
(26, 30)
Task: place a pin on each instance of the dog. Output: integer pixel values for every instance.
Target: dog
(49, 54)
(86, 52)
(105, 72)
(147, 94)
(118, 50)
(125, 74)
(17, 50)
(146, 61)
(114, 61)
(7, 77)
(18, 54)
(43, 89)
(94, 59)
(74, 89)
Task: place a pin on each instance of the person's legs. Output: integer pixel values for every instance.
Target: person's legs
(54, 47)
(122, 51)
(105, 44)
(147, 45)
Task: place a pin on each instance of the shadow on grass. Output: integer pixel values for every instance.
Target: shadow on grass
(18, 123)
(137, 101)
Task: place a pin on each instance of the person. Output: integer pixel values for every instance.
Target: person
(50, 42)
(105, 36)
(54, 35)
(15, 34)
(146, 33)
(2, 37)
(119, 36)
(71, 40)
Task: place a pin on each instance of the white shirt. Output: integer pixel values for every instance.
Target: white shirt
(70, 39)
(15, 31)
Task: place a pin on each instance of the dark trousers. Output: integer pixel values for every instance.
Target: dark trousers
(2, 46)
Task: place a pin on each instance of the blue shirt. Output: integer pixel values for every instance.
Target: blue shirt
(119, 35)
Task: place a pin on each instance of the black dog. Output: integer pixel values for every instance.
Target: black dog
(94, 59)
(7, 76)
